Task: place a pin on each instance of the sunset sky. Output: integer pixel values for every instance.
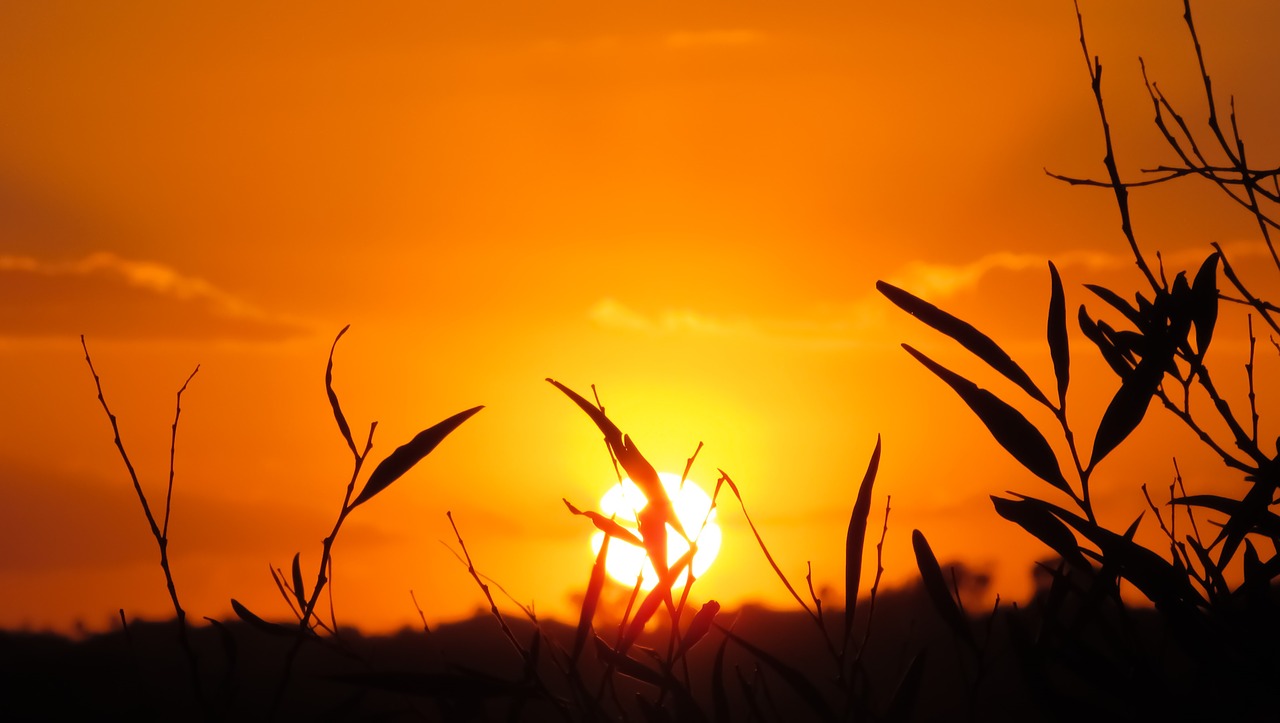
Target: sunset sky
(686, 204)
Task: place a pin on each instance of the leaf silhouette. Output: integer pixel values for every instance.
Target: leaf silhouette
(1010, 429)
(1057, 333)
(407, 455)
(969, 337)
(699, 626)
(590, 600)
(297, 581)
(1204, 302)
(939, 592)
(1100, 334)
(1127, 407)
(855, 540)
(246, 615)
(607, 525)
(1044, 527)
(1119, 303)
(908, 691)
(338, 416)
(658, 512)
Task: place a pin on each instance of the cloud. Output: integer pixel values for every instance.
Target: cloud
(863, 319)
(108, 296)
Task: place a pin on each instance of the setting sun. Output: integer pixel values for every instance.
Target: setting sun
(624, 500)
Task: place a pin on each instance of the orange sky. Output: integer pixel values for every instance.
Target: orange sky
(686, 204)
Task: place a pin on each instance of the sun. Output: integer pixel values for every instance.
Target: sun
(626, 561)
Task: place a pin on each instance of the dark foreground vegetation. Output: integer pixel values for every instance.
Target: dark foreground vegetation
(1201, 646)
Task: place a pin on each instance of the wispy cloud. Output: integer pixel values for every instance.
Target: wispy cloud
(864, 318)
(107, 295)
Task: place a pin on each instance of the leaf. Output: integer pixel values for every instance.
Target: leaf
(246, 615)
(333, 397)
(969, 337)
(939, 592)
(628, 665)
(699, 626)
(589, 601)
(855, 540)
(297, 581)
(1098, 334)
(1204, 302)
(658, 512)
(1057, 333)
(1127, 407)
(1010, 429)
(1043, 526)
(719, 696)
(607, 525)
(660, 592)
(1119, 303)
(407, 455)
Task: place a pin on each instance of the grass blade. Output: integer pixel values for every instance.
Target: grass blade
(407, 455)
(589, 601)
(298, 592)
(1204, 302)
(855, 541)
(1012, 430)
(338, 416)
(607, 525)
(939, 592)
(1127, 407)
(248, 616)
(970, 338)
(797, 680)
(699, 626)
(908, 691)
(1056, 332)
(1043, 526)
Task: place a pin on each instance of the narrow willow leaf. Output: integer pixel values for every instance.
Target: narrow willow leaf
(699, 626)
(1118, 302)
(246, 615)
(606, 525)
(1204, 302)
(1057, 333)
(589, 601)
(409, 454)
(1094, 332)
(660, 592)
(659, 512)
(1044, 527)
(338, 416)
(1127, 407)
(907, 692)
(797, 680)
(970, 338)
(854, 540)
(1012, 430)
(939, 592)
(297, 581)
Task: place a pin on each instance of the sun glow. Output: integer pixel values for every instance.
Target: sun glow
(626, 561)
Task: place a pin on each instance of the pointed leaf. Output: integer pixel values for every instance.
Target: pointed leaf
(338, 416)
(1044, 527)
(1127, 407)
(271, 628)
(1096, 333)
(939, 592)
(1204, 302)
(297, 581)
(608, 526)
(409, 454)
(719, 696)
(1119, 303)
(699, 626)
(1012, 430)
(590, 600)
(628, 665)
(1057, 333)
(969, 337)
(854, 540)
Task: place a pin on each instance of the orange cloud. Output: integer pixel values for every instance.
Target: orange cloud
(105, 295)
